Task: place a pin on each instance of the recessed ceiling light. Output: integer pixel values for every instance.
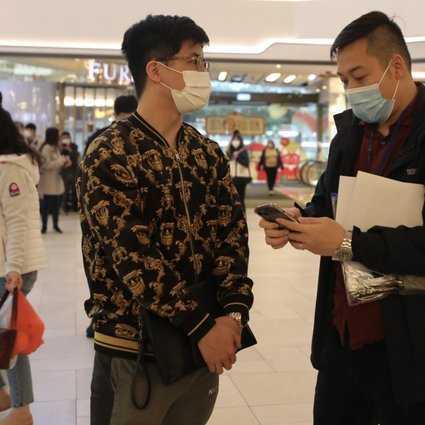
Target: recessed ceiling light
(312, 77)
(290, 79)
(273, 77)
(222, 76)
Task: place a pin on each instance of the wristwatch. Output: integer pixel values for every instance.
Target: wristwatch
(344, 252)
(237, 317)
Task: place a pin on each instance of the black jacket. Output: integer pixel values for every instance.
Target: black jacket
(400, 250)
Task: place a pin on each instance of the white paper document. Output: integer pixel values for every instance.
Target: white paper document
(369, 200)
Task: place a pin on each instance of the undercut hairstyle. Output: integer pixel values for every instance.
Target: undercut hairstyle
(384, 38)
(157, 37)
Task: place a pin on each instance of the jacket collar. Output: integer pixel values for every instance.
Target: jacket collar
(350, 131)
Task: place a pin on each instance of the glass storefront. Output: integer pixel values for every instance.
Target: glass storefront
(78, 94)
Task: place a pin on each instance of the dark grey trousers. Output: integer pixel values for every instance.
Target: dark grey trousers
(188, 401)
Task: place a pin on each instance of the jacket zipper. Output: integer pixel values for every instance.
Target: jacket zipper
(189, 221)
(183, 196)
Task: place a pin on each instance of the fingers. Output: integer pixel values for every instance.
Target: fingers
(299, 246)
(279, 233)
(219, 370)
(211, 367)
(268, 225)
(298, 238)
(228, 363)
(277, 243)
(312, 220)
(291, 225)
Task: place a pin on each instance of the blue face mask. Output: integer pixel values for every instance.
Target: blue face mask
(368, 103)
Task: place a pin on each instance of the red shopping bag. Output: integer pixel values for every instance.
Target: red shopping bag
(29, 327)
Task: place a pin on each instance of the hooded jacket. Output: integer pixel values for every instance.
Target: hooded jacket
(21, 246)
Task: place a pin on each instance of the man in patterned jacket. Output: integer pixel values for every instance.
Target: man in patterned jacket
(159, 212)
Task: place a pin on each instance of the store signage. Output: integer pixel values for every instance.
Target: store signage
(112, 73)
(247, 125)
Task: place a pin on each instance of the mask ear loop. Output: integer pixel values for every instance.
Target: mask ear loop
(171, 69)
(396, 89)
(384, 74)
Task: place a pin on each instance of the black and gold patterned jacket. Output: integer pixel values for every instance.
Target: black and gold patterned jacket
(140, 201)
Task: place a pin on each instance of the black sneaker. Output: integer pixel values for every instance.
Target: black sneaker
(43, 230)
(57, 229)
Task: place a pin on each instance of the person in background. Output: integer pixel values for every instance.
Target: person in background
(124, 106)
(51, 187)
(239, 164)
(20, 127)
(30, 133)
(271, 163)
(69, 174)
(21, 251)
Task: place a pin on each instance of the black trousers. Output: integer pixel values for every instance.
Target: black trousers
(355, 388)
(241, 185)
(271, 176)
(50, 204)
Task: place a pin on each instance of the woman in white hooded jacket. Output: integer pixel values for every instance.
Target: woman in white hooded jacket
(21, 250)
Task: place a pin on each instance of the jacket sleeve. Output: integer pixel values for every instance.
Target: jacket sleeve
(318, 206)
(14, 204)
(232, 252)
(50, 163)
(113, 199)
(387, 250)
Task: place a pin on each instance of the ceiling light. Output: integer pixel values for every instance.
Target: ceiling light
(278, 66)
(312, 77)
(273, 77)
(243, 97)
(222, 76)
(290, 79)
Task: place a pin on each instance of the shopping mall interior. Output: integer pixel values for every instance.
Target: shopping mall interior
(273, 80)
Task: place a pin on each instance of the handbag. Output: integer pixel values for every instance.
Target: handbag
(363, 285)
(174, 353)
(8, 334)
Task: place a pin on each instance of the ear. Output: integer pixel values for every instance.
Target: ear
(399, 67)
(152, 71)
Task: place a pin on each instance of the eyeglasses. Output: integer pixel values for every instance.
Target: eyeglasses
(198, 61)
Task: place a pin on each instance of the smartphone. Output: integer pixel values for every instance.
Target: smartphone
(272, 212)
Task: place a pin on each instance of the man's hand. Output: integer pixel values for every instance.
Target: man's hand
(321, 236)
(13, 280)
(218, 346)
(277, 236)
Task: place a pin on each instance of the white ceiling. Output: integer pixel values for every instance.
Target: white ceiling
(253, 29)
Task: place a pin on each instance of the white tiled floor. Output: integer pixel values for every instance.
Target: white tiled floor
(272, 384)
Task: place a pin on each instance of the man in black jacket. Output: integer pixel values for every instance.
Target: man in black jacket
(371, 358)
(164, 236)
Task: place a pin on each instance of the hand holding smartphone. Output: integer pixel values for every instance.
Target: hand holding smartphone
(272, 212)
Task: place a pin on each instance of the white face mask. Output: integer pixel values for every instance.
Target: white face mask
(236, 144)
(196, 93)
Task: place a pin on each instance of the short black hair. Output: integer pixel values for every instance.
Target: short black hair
(157, 37)
(384, 37)
(52, 136)
(31, 126)
(66, 133)
(11, 140)
(125, 105)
